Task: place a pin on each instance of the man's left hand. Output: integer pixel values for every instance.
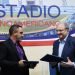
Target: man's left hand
(69, 63)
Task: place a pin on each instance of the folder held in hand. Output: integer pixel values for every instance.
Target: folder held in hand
(31, 64)
(51, 58)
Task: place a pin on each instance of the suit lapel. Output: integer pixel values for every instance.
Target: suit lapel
(56, 48)
(66, 47)
(11, 46)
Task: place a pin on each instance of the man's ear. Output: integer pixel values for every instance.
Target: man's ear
(15, 32)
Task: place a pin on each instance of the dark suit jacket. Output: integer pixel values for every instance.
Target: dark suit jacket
(9, 59)
(68, 51)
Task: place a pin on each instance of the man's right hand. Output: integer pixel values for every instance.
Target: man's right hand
(21, 63)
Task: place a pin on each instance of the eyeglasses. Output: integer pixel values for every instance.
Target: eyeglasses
(21, 32)
(60, 30)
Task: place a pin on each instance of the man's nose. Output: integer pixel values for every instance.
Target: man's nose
(22, 35)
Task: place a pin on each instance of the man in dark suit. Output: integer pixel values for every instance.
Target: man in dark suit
(12, 55)
(64, 47)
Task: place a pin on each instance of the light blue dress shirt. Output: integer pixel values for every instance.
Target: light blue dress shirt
(61, 46)
(60, 49)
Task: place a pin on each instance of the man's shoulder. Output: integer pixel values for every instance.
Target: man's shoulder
(6, 42)
(71, 38)
(56, 42)
(1, 43)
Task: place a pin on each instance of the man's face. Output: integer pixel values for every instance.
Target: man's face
(61, 31)
(19, 34)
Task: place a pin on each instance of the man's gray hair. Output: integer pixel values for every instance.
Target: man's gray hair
(67, 26)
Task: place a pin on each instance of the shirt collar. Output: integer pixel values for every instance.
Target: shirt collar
(64, 40)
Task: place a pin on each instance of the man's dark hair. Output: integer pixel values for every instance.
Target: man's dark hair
(13, 28)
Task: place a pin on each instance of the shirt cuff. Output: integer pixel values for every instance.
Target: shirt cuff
(74, 64)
